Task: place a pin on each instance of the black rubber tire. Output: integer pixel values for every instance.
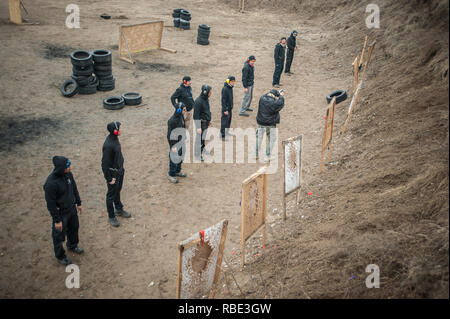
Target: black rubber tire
(81, 58)
(81, 80)
(132, 98)
(202, 42)
(106, 88)
(101, 56)
(185, 15)
(204, 27)
(203, 33)
(114, 103)
(340, 95)
(79, 72)
(178, 10)
(185, 25)
(87, 89)
(106, 78)
(176, 22)
(103, 84)
(71, 92)
(103, 74)
(102, 67)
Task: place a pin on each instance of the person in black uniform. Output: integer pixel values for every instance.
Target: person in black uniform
(176, 136)
(63, 202)
(279, 54)
(113, 171)
(184, 94)
(227, 106)
(202, 119)
(291, 47)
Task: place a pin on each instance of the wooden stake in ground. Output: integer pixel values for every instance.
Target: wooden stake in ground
(369, 56)
(15, 15)
(362, 53)
(355, 73)
(350, 110)
(328, 133)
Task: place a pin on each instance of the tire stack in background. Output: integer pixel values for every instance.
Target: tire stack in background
(203, 34)
(82, 72)
(181, 19)
(103, 70)
(176, 17)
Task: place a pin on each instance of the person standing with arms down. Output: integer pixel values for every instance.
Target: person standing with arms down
(184, 94)
(63, 202)
(113, 171)
(248, 79)
(268, 117)
(291, 48)
(202, 119)
(279, 55)
(176, 135)
(227, 106)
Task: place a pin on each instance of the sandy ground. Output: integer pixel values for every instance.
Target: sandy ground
(121, 263)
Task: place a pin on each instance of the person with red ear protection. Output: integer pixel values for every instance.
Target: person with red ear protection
(183, 94)
(113, 171)
(248, 79)
(279, 55)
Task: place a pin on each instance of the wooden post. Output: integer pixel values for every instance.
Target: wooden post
(180, 252)
(355, 73)
(242, 229)
(265, 209)
(283, 193)
(352, 106)
(362, 53)
(15, 15)
(369, 56)
(324, 140)
(330, 145)
(219, 259)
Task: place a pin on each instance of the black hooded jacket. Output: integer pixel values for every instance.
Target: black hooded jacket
(248, 75)
(60, 189)
(183, 94)
(112, 153)
(176, 121)
(202, 110)
(291, 43)
(269, 110)
(227, 97)
(279, 54)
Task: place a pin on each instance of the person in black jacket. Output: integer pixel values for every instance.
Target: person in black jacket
(202, 119)
(227, 105)
(268, 117)
(291, 47)
(176, 136)
(184, 94)
(63, 201)
(248, 79)
(113, 171)
(279, 54)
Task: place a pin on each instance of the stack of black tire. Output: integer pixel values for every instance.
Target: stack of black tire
(181, 19)
(103, 70)
(203, 34)
(82, 72)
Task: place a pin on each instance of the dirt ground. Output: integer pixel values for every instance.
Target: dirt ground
(383, 199)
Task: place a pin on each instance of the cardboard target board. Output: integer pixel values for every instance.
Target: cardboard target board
(253, 207)
(199, 262)
(139, 38)
(292, 167)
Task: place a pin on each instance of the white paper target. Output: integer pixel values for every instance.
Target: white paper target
(292, 164)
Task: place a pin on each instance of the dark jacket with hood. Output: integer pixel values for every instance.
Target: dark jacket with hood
(279, 54)
(61, 191)
(269, 110)
(227, 97)
(176, 121)
(183, 94)
(202, 110)
(112, 153)
(291, 42)
(248, 75)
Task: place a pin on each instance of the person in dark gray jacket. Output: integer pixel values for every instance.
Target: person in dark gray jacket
(279, 55)
(291, 47)
(248, 79)
(202, 120)
(227, 106)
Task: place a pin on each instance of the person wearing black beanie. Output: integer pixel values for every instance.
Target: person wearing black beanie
(63, 202)
(291, 47)
(227, 106)
(183, 94)
(113, 171)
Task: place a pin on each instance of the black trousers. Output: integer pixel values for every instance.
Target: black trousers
(225, 122)
(70, 229)
(277, 73)
(289, 58)
(113, 196)
(200, 139)
(175, 168)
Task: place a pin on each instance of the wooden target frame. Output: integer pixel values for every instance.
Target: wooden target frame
(137, 38)
(298, 163)
(197, 277)
(327, 136)
(253, 207)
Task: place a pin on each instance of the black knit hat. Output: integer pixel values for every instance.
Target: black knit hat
(252, 58)
(231, 78)
(113, 126)
(275, 92)
(186, 78)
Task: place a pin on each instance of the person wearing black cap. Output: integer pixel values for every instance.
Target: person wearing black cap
(63, 202)
(113, 171)
(248, 79)
(268, 117)
(227, 105)
(176, 136)
(279, 55)
(184, 94)
(291, 47)
(202, 119)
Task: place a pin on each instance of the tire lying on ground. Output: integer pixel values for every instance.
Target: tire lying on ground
(72, 91)
(114, 103)
(81, 58)
(132, 98)
(340, 95)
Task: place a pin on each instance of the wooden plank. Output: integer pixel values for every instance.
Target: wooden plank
(355, 73)
(219, 259)
(168, 50)
(284, 181)
(265, 209)
(127, 59)
(130, 58)
(324, 140)
(362, 53)
(180, 254)
(243, 212)
(369, 56)
(350, 111)
(15, 15)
